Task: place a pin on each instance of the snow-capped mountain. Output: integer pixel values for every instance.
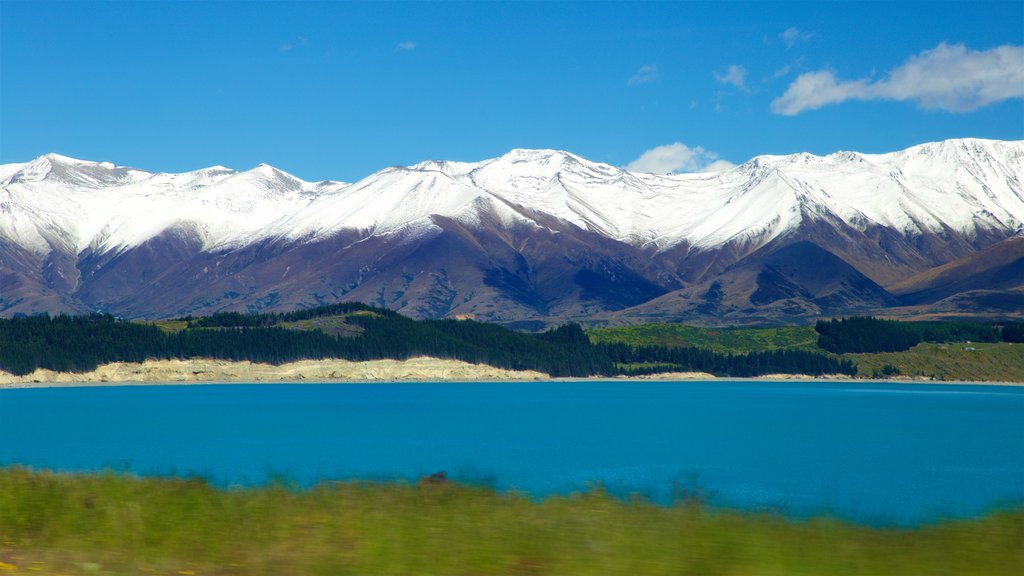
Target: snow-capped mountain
(56, 202)
(530, 234)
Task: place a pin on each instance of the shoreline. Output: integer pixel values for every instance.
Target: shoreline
(202, 371)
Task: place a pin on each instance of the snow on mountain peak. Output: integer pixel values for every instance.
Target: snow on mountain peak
(449, 167)
(965, 185)
(552, 159)
(60, 158)
(531, 154)
(60, 202)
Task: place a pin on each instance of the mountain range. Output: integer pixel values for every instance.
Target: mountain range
(531, 238)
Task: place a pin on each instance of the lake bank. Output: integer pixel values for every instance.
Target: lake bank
(210, 371)
(420, 369)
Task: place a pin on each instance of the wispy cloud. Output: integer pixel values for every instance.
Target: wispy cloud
(953, 78)
(289, 46)
(735, 75)
(678, 157)
(647, 73)
(791, 36)
(405, 46)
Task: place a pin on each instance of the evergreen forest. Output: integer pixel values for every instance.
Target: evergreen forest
(866, 334)
(359, 332)
(81, 343)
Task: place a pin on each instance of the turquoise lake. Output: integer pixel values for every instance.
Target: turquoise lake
(878, 453)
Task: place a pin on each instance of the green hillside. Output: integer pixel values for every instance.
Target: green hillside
(981, 362)
(967, 361)
(725, 340)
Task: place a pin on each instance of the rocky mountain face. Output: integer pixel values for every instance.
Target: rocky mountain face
(530, 238)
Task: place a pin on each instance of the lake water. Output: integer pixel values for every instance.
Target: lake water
(869, 452)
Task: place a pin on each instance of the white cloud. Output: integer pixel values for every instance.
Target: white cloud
(717, 166)
(813, 90)
(735, 75)
(405, 46)
(678, 157)
(953, 78)
(646, 73)
(791, 36)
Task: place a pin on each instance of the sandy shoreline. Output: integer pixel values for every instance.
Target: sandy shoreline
(422, 369)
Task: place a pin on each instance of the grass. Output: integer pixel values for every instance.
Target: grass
(332, 325)
(170, 326)
(993, 362)
(116, 524)
(336, 325)
(726, 340)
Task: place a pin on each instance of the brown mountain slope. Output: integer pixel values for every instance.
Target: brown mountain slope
(792, 281)
(998, 267)
(491, 272)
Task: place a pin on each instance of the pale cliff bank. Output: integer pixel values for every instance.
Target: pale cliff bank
(206, 370)
(422, 369)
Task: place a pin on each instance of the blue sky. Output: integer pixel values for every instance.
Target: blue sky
(339, 90)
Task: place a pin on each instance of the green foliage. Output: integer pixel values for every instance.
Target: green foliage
(333, 325)
(653, 359)
(731, 340)
(984, 362)
(75, 344)
(1013, 332)
(865, 334)
(119, 525)
(239, 320)
(168, 325)
(890, 370)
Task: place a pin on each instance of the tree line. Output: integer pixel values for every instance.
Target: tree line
(653, 359)
(81, 343)
(867, 334)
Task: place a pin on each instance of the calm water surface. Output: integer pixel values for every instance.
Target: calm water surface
(877, 453)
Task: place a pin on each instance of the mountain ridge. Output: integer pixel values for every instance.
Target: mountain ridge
(540, 234)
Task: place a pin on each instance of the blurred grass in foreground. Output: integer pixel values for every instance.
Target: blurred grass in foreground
(116, 524)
